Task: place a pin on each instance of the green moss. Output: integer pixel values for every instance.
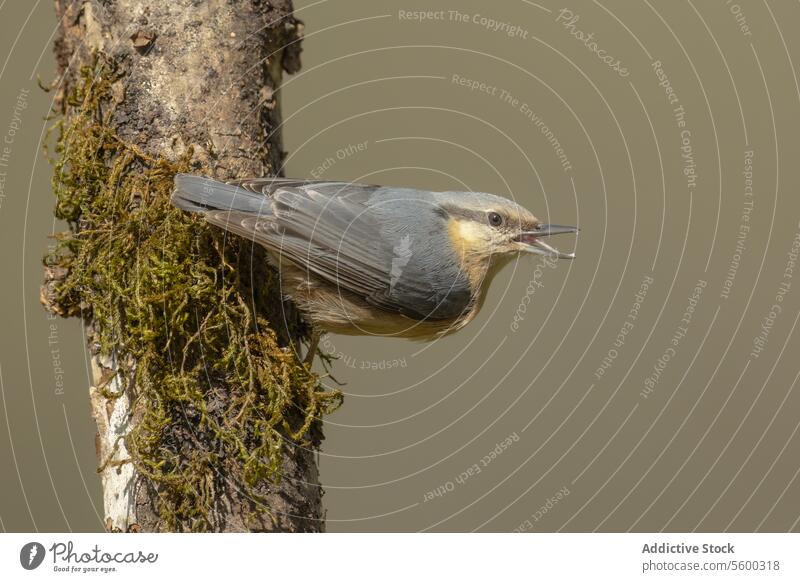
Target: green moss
(215, 395)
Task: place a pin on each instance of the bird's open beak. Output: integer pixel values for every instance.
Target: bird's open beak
(531, 241)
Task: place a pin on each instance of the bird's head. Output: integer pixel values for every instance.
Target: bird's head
(487, 226)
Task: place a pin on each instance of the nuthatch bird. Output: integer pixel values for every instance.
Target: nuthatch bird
(363, 259)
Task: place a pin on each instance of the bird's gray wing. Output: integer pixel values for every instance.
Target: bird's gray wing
(329, 229)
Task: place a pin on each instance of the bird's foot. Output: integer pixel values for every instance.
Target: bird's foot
(312, 347)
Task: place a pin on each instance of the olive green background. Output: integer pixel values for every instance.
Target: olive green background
(712, 447)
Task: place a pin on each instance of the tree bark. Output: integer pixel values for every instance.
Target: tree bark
(201, 75)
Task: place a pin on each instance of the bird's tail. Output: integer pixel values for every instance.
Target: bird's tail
(201, 194)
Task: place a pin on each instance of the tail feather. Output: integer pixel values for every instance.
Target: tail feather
(201, 194)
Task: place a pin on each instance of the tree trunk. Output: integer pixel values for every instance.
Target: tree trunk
(198, 77)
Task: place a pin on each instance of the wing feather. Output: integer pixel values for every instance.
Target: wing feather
(325, 227)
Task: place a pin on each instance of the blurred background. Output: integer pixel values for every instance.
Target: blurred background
(650, 384)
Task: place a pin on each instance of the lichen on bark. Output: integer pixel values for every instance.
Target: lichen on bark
(216, 393)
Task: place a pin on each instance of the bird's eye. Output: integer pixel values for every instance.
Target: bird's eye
(495, 219)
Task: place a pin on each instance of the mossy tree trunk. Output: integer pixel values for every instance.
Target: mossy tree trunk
(195, 86)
